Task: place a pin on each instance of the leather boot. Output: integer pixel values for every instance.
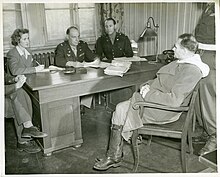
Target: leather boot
(114, 153)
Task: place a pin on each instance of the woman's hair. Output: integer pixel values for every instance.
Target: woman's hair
(16, 36)
(189, 41)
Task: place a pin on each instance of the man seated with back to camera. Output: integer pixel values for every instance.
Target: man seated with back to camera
(172, 87)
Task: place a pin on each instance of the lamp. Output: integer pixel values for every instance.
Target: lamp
(150, 33)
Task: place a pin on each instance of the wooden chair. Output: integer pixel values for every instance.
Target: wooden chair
(181, 129)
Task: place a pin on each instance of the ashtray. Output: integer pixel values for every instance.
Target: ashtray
(81, 70)
(69, 70)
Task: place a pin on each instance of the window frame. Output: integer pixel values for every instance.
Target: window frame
(74, 20)
(6, 42)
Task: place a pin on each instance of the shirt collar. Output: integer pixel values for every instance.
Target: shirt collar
(196, 60)
(25, 53)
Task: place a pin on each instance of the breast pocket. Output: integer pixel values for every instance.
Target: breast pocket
(81, 56)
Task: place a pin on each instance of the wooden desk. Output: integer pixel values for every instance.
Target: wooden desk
(56, 100)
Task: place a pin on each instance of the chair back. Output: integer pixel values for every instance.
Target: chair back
(189, 118)
(181, 128)
(188, 128)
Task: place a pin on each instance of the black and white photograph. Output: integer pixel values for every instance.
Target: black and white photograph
(94, 88)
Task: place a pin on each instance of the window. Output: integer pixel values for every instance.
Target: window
(12, 19)
(58, 17)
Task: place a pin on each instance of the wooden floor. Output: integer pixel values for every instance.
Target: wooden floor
(157, 158)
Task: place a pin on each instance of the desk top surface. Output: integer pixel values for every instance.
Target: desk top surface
(45, 80)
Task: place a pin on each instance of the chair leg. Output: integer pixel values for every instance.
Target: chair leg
(99, 98)
(149, 141)
(93, 101)
(183, 153)
(135, 149)
(190, 141)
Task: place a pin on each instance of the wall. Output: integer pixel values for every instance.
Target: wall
(173, 19)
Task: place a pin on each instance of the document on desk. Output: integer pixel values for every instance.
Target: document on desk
(118, 68)
(95, 65)
(55, 68)
(134, 58)
(44, 70)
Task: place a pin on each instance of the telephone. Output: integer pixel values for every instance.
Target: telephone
(169, 55)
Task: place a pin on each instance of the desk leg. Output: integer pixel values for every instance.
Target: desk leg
(61, 121)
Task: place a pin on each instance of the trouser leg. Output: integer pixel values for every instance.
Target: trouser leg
(208, 93)
(127, 116)
(22, 107)
(18, 129)
(208, 102)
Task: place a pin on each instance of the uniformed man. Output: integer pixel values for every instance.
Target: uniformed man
(113, 44)
(206, 100)
(73, 51)
(76, 53)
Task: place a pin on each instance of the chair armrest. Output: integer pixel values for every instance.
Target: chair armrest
(138, 104)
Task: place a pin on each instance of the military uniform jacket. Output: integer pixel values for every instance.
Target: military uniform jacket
(205, 28)
(64, 53)
(120, 48)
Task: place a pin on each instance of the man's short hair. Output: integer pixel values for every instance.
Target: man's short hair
(71, 27)
(111, 19)
(189, 42)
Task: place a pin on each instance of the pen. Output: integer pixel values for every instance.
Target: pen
(37, 62)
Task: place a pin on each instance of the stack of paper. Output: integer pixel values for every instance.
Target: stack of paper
(94, 65)
(134, 58)
(117, 68)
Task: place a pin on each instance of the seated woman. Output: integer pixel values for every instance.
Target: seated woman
(173, 85)
(20, 62)
(19, 58)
